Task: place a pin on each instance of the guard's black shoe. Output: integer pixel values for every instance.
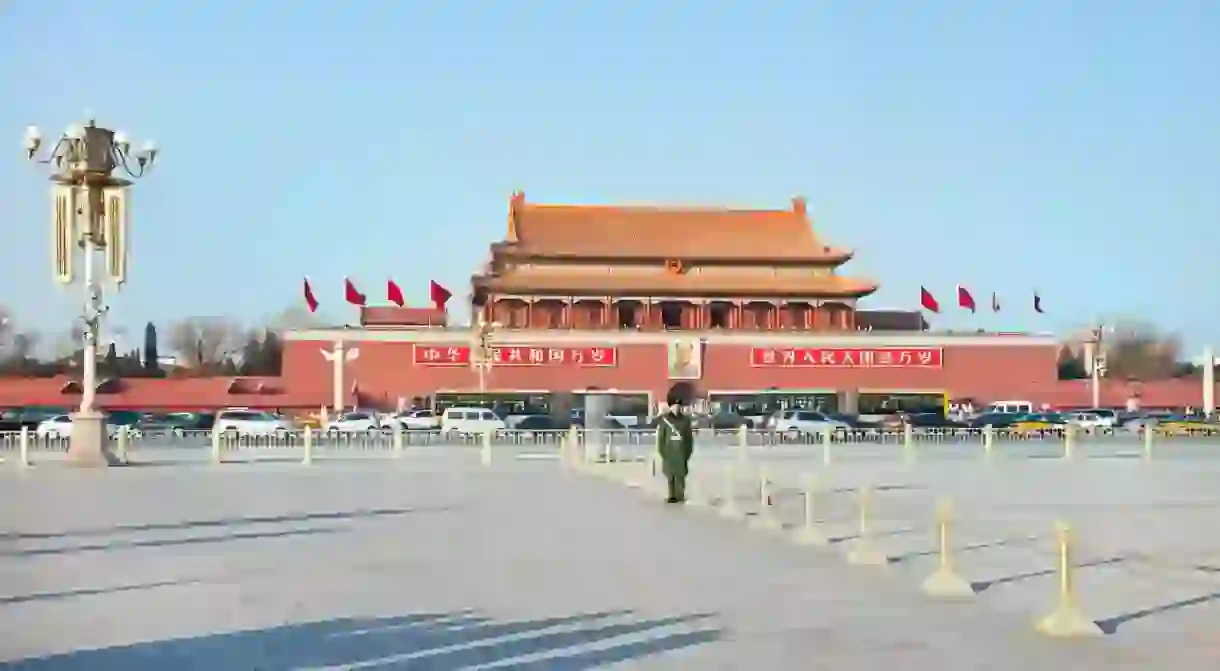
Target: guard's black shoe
(671, 500)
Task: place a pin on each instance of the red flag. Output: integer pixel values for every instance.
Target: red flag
(1037, 303)
(394, 294)
(995, 302)
(310, 300)
(964, 299)
(928, 301)
(349, 290)
(439, 295)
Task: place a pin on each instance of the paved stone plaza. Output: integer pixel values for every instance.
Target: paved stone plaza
(432, 561)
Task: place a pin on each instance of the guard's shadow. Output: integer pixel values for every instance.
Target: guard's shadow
(424, 641)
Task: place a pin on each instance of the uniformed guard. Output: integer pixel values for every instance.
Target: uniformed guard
(676, 442)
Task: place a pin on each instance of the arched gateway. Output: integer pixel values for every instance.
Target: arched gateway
(747, 304)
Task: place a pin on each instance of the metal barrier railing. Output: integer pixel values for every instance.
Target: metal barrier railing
(750, 437)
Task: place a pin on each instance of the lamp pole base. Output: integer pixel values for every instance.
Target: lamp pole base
(89, 445)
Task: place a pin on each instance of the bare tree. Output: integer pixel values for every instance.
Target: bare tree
(1137, 350)
(293, 318)
(204, 342)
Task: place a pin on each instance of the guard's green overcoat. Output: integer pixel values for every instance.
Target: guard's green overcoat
(676, 443)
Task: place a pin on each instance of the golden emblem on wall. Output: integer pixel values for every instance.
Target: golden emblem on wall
(676, 266)
(685, 359)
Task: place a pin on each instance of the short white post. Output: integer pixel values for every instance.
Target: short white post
(766, 518)
(827, 456)
(988, 441)
(1069, 442)
(307, 445)
(729, 507)
(945, 582)
(865, 551)
(1149, 440)
(120, 448)
(396, 440)
(216, 447)
(810, 533)
(485, 451)
(908, 442)
(23, 448)
(743, 444)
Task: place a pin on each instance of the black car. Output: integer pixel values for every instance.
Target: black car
(998, 420)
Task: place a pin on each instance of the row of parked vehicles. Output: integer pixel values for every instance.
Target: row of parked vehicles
(57, 423)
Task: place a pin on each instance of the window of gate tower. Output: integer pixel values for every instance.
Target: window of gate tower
(718, 315)
(671, 315)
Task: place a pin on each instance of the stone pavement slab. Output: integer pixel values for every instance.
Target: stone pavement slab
(437, 564)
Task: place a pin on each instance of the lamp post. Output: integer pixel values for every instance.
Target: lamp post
(483, 353)
(90, 212)
(339, 357)
(1095, 359)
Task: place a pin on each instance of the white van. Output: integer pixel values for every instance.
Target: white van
(1009, 408)
(471, 420)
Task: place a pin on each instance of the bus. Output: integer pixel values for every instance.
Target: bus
(759, 405)
(504, 404)
(882, 406)
(627, 408)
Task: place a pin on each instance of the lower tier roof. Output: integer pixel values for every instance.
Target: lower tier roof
(672, 284)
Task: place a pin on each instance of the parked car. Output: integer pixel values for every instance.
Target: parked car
(246, 422)
(355, 422)
(60, 426)
(418, 420)
(1089, 420)
(471, 420)
(933, 420)
(175, 423)
(996, 420)
(722, 421)
(807, 422)
(1039, 422)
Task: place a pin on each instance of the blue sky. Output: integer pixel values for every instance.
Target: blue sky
(1071, 147)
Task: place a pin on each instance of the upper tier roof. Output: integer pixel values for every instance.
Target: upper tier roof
(643, 232)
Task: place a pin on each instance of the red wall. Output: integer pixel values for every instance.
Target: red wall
(386, 370)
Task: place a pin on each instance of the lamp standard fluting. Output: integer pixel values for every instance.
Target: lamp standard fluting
(90, 212)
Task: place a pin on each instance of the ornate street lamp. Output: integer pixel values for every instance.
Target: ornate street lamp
(90, 214)
(483, 352)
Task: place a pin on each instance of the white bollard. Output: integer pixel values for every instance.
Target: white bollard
(485, 451)
(988, 441)
(1149, 439)
(743, 444)
(216, 447)
(729, 508)
(908, 442)
(766, 518)
(810, 533)
(307, 445)
(827, 436)
(1069, 442)
(396, 440)
(120, 448)
(23, 448)
(865, 551)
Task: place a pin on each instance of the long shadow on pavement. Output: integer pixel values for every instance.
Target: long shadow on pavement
(421, 642)
(361, 513)
(167, 542)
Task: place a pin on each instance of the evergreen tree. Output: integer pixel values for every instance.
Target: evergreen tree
(150, 348)
(111, 362)
(1071, 366)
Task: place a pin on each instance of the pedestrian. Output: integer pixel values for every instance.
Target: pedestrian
(676, 443)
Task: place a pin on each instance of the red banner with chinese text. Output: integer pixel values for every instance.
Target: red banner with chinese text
(847, 357)
(442, 355)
